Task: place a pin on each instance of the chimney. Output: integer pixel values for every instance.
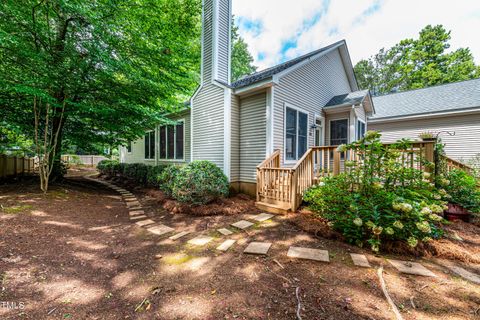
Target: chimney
(216, 40)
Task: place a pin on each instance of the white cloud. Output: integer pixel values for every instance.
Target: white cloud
(284, 20)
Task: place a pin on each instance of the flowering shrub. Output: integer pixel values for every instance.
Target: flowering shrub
(461, 188)
(378, 198)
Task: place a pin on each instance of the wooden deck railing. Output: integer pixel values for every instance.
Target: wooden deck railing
(11, 166)
(287, 185)
(451, 164)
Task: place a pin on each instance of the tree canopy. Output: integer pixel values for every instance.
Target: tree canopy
(242, 60)
(417, 63)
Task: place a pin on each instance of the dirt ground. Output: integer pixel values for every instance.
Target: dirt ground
(74, 254)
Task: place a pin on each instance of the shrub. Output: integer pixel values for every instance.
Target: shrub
(136, 172)
(461, 188)
(106, 167)
(200, 182)
(153, 173)
(378, 198)
(166, 179)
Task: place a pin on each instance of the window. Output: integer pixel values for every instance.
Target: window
(338, 132)
(296, 134)
(150, 145)
(172, 141)
(360, 129)
(129, 147)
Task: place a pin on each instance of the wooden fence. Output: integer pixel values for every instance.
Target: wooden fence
(12, 166)
(86, 160)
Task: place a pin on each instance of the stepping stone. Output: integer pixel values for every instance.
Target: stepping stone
(226, 245)
(411, 268)
(160, 230)
(144, 222)
(225, 232)
(470, 276)
(133, 204)
(135, 208)
(242, 224)
(308, 253)
(138, 217)
(179, 235)
(263, 216)
(130, 199)
(136, 213)
(200, 240)
(257, 248)
(360, 260)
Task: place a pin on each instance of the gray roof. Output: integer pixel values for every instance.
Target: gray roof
(448, 97)
(267, 73)
(347, 99)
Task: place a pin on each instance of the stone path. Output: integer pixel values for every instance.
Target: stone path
(360, 260)
(257, 248)
(414, 268)
(308, 253)
(137, 215)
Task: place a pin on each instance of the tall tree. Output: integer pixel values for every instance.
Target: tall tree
(242, 60)
(102, 71)
(417, 63)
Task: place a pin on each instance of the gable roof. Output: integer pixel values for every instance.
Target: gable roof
(270, 72)
(347, 99)
(455, 96)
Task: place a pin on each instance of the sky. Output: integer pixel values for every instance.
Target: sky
(279, 30)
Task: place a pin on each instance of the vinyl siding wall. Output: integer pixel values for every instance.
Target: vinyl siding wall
(208, 124)
(138, 147)
(253, 135)
(463, 146)
(235, 141)
(309, 88)
(223, 40)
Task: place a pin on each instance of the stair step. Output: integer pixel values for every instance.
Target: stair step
(274, 208)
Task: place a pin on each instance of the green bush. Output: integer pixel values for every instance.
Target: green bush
(166, 179)
(153, 173)
(461, 188)
(379, 199)
(106, 167)
(200, 182)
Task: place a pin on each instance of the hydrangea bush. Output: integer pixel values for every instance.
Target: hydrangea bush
(378, 198)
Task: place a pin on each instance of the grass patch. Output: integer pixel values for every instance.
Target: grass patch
(17, 209)
(177, 259)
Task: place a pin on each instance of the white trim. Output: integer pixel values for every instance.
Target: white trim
(215, 48)
(154, 146)
(352, 124)
(183, 120)
(269, 123)
(255, 86)
(330, 129)
(227, 132)
(279, 75)
(229, 80)
(425, 115)
(322, 118)
(285, 106)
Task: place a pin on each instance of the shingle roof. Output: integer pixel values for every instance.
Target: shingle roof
(267, 73)
(347, 99)
(447, 97)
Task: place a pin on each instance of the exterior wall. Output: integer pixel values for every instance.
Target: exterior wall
(138, 146)
(235, 140)
(223, 40)
(208, 125)
(463, 146)
(308, 88)
(253, 135)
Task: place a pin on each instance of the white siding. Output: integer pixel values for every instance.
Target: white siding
(235, 141)
(208, 124)
(463, 146)
(207, 43)
(138, 153)
(309, 88)
(253, 135)
(223, 40)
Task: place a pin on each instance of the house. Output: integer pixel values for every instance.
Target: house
(312, 100)
(451, 111)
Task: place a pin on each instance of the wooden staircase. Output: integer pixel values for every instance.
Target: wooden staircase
(281, 189)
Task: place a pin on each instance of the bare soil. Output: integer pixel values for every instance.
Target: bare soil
(74, 254)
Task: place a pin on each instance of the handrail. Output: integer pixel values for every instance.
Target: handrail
(299, 162)
(457, 164)
(271, 158)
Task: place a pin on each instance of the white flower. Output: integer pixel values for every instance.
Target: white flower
(342, 148)
(426, 210)
(358, 222)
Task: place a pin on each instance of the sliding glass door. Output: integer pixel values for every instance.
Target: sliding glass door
(296, 133)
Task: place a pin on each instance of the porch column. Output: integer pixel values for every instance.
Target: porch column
(352, 125)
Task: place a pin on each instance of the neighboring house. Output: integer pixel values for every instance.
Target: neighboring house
(451, 108)
(309, 101)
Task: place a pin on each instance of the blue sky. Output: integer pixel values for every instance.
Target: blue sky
(278, 30)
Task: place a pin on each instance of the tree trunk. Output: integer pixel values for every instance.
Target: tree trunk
(58, 169)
